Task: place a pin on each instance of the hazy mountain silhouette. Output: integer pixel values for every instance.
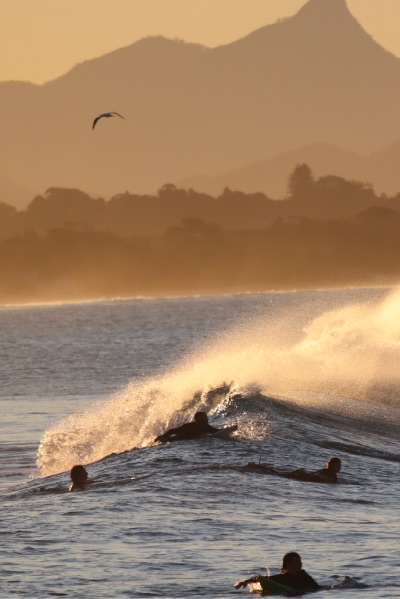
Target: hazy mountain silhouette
(315, 77)
(272, 174)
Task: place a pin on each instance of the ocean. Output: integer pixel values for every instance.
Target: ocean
(305, 376)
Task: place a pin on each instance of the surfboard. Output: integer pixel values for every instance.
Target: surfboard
(270, 587)
(225, 433)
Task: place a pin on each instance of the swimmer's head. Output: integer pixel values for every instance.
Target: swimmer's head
(291, 563)
(201, 417)
(79, 474)
(335, 465)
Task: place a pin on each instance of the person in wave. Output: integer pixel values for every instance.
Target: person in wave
(191, 430)
(325, 475)
(79, 477)
(292, 575)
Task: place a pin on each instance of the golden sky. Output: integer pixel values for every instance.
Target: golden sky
(42, 39)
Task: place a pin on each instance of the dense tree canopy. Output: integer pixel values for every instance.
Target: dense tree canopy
(329, 231)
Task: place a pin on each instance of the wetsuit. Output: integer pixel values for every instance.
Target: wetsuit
(190, 430)
(326, 475)
(297, 582)
(321, 476)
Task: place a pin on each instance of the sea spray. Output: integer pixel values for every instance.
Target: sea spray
(355, 350)
(315, 358)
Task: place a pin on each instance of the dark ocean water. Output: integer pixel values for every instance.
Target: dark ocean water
(304, 375)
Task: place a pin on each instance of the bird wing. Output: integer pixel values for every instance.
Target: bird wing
(106, 114)
(95, 121)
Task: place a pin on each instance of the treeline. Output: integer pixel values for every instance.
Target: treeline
(199, 257)
(126, 215)
(326, 232)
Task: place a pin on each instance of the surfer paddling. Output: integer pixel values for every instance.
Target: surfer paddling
(292, 577)
(325, 475)
(79, 477)
(191, 430)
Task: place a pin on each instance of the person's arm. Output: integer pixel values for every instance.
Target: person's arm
(243, 583)
(165, 436)
(212, 429)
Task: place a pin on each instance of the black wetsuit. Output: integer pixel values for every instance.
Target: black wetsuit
(321, 476)
(326, 475)
(298, 582)
(190, 430)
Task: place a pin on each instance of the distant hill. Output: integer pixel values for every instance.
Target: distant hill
(380, 169)
(271, 176)
(314, 78)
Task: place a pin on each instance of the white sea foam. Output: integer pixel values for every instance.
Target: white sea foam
(351, 352)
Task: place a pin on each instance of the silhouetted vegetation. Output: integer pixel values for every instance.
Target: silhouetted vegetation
(327, 232)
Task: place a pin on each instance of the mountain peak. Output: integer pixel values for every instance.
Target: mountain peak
(318, 22)
(322, 6)
(316, 76)
(332, 12)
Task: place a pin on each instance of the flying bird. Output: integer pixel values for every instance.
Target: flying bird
(107, 115)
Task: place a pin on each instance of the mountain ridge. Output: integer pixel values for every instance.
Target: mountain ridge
(314, 77)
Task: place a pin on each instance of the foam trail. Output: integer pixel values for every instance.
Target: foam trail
(316, 360)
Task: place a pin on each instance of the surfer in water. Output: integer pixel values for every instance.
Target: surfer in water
(79, 477)
(292, 576)
(325, 475)
(191, 430)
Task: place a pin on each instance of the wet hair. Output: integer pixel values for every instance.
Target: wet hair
(334, 462)
(201, 417)
(290, 557)
(78, 474)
